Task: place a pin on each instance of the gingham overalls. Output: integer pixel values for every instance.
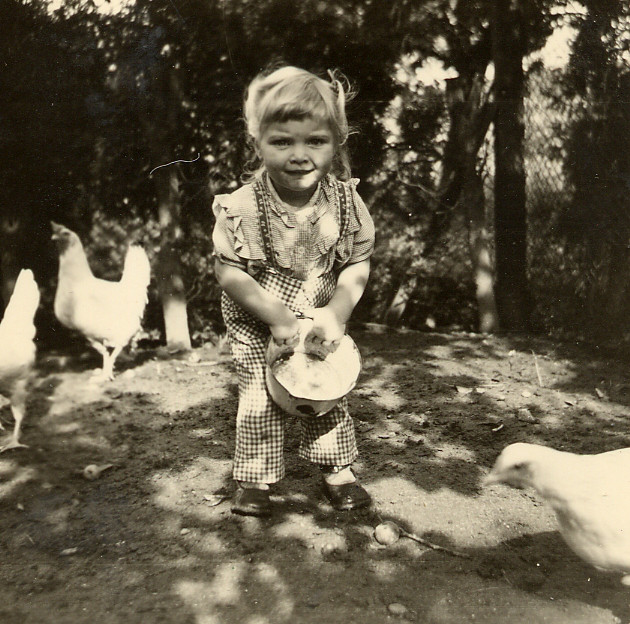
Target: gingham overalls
(327, 439)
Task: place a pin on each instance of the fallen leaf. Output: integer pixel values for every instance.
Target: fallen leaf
(601, 394)
(94, 471)
(525, 415)
(69, 551)
(215, 499)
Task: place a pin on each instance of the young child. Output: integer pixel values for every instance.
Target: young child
(295, 239)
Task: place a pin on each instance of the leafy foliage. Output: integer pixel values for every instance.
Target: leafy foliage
(596, 223)
(95, 104)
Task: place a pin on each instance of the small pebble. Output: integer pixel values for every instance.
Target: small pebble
(328, 549)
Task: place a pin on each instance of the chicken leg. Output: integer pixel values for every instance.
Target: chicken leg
(109, 357)
(18, 406)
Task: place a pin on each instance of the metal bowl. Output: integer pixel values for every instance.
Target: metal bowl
(303, 383)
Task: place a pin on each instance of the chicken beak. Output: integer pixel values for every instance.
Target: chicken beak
(490, 479)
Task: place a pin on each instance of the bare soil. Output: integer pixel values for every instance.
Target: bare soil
(152, 538)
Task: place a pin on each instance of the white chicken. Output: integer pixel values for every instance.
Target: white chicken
(17, 349)
(590, 495)
(107, 313)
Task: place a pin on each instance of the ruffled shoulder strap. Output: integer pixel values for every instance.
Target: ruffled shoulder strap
(239, 203)
(238, 209)
(347, 194)
(262, 208)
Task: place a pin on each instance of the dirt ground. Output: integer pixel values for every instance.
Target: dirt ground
(152, 538)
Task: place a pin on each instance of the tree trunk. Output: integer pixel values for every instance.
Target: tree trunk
(616, 294)
(168, 270)
(510, 219)
(18, 246)
(10, 255)
(160, 128)
(397, 307)
(483, 274)
(470, 115)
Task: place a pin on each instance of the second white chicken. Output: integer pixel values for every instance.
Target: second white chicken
(107, 313)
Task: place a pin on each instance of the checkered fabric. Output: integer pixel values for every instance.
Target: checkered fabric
(260, 423)
(269, 249)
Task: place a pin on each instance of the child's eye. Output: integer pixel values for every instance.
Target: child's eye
(280, 142)
(318, 141)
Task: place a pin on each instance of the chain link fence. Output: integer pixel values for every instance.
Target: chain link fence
(577, 164)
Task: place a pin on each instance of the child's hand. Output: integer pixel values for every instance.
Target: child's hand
(286, 333)
(325, 334)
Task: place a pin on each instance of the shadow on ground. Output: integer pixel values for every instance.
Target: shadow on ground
(152, 539)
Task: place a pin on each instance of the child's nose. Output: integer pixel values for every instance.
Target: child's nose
(298, 154)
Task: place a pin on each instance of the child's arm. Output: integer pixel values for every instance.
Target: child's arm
(243, 289)
(329, 322)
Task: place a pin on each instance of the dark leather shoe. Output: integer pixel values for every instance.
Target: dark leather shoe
(251, 502)
(347, 496)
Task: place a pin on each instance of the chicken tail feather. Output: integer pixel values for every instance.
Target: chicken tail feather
(137, 271)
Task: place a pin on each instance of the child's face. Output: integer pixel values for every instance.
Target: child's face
(297, 155)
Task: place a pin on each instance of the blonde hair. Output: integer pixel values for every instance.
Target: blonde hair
(291, 93)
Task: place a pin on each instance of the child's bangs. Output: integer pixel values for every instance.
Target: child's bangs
(295, 104)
